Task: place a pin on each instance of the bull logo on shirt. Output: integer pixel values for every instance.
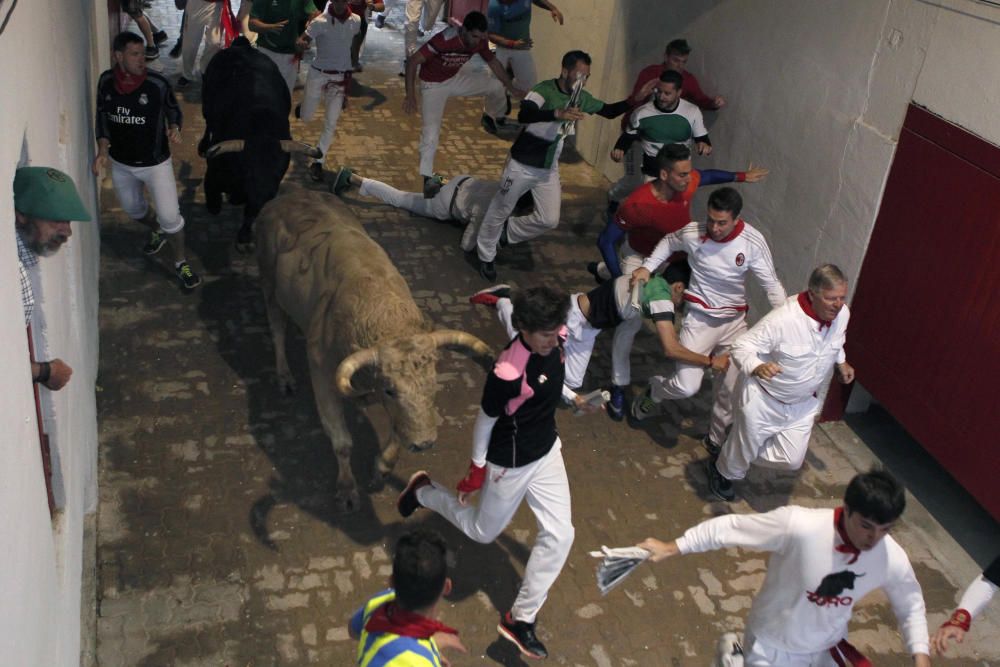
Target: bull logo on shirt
(828, 593)
(740, 258)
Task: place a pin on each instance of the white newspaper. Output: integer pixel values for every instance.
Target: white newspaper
(617, 564)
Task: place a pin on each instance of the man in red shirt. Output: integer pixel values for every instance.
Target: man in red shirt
(442, 76)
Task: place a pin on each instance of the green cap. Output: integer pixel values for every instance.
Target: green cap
(47, 193)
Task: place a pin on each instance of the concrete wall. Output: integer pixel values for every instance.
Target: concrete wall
(817, 92)
(51, 49)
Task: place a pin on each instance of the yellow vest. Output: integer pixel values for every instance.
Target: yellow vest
(385, 649)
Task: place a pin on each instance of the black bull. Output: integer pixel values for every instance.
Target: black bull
(247, 139)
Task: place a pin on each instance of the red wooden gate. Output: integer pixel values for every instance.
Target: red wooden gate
(925, 320)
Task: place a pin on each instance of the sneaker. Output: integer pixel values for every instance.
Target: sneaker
(488, 270)
(594, 269)
(342, 182)
(152, 53)
(182, 82)
(380, 21)
(523, 636)
(490, 295)
(189, 279)
(616, 406)
(155, 243)
(729, 651)
(489, 124)
(159, 37)
(720, 487)
(176, 51)
(407, 502)
(712, 448)
(432, 185)
(316, 171)
(643, 407)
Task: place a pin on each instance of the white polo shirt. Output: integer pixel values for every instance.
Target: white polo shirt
(333, 41)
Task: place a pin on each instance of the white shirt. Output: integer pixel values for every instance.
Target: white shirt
(805, 350)
(789, 613)
(333, 41)
(719, 268)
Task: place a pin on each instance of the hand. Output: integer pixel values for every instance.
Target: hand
(846, 373)
(945, 634)
(658, 549)
(767, 370)
(409, 105)
(556, 15)
(640, 274)
(448, 641)
(570, 114)
(521, 44)
(174, 134)
(277, 27)
(586, 407)
(472, 482)
(645, 91)
(517, 93)
(100, 161)
(703, 148)
(59, 374)
(754, 174)
(617, 155)
(720, 362)
(301, 44)
(719, 101)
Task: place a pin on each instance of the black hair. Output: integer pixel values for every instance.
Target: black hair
(539, 309)
(671, 154)
(475, 21)
(672, 76)
(678, 272)
(419, 568)
(726, 200)
(876, 495)
(123, 39)
(679, 46)
(571, 58)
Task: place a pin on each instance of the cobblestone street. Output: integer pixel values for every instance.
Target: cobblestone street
(219, 542)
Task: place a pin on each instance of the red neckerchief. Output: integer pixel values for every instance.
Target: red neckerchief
(737, 230)
(125, 83)
(807, 308)
(390, 617)
(340, 17)
(847, 547)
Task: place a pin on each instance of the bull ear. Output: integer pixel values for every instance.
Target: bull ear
(465, 341)
(349, 366)
(228, 146)
(291, 146)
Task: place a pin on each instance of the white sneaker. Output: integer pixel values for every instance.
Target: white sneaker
(729, 651)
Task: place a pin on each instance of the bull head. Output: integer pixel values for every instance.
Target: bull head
(287, 145)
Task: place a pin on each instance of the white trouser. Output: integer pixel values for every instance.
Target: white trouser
(414, 8)
(621, 346)
(467, 82)
(704, 335)
(413, 202)
(580, 338)
(766, 432)
(203, 19)
(159, 178)
(544, 485)
(319, 84)
(517, 179)
(758, 654)
(288, 66)
(521, 63)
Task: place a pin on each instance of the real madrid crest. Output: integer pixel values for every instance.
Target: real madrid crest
(143, 99)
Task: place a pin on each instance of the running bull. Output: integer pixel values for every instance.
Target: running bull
(247, 139)
(319, 268)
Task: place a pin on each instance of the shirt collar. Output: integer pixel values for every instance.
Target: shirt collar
(24, 253)
(806, 303)
(737, 230)
(846, 546)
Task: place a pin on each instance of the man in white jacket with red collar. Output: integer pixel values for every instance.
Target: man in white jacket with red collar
(822, 562)
(785, 360)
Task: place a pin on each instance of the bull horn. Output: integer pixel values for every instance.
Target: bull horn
(462, 339)
(228, 146)
(349, 366)
(292, 146)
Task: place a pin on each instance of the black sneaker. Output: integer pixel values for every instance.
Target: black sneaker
(407, 502)
(159, 37)
(176, 51)
(488, 270)
(713, 449)
(432, 185)
(182, 82)
(593, 268)
(152, 53)
(489, 124)
(490, 295)
(189, 279)
(380, 21)
(720, 487)
(616, 406)
(523, 636)
(155, 243)
(316, 171)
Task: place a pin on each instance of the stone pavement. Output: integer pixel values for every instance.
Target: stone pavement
(218, 540)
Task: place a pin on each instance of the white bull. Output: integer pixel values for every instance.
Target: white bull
(320, 268)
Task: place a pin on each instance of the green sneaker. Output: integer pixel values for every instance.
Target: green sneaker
(644, 407)
(156, 241)
(189, 279)
(433, 185)
(342, 182)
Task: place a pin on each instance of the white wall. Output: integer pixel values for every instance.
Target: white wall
(817, 92)
(50, 55)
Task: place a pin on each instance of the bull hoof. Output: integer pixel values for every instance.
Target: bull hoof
(420, 447)
(348, 501)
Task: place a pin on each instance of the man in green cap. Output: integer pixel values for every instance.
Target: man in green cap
(45, 200)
